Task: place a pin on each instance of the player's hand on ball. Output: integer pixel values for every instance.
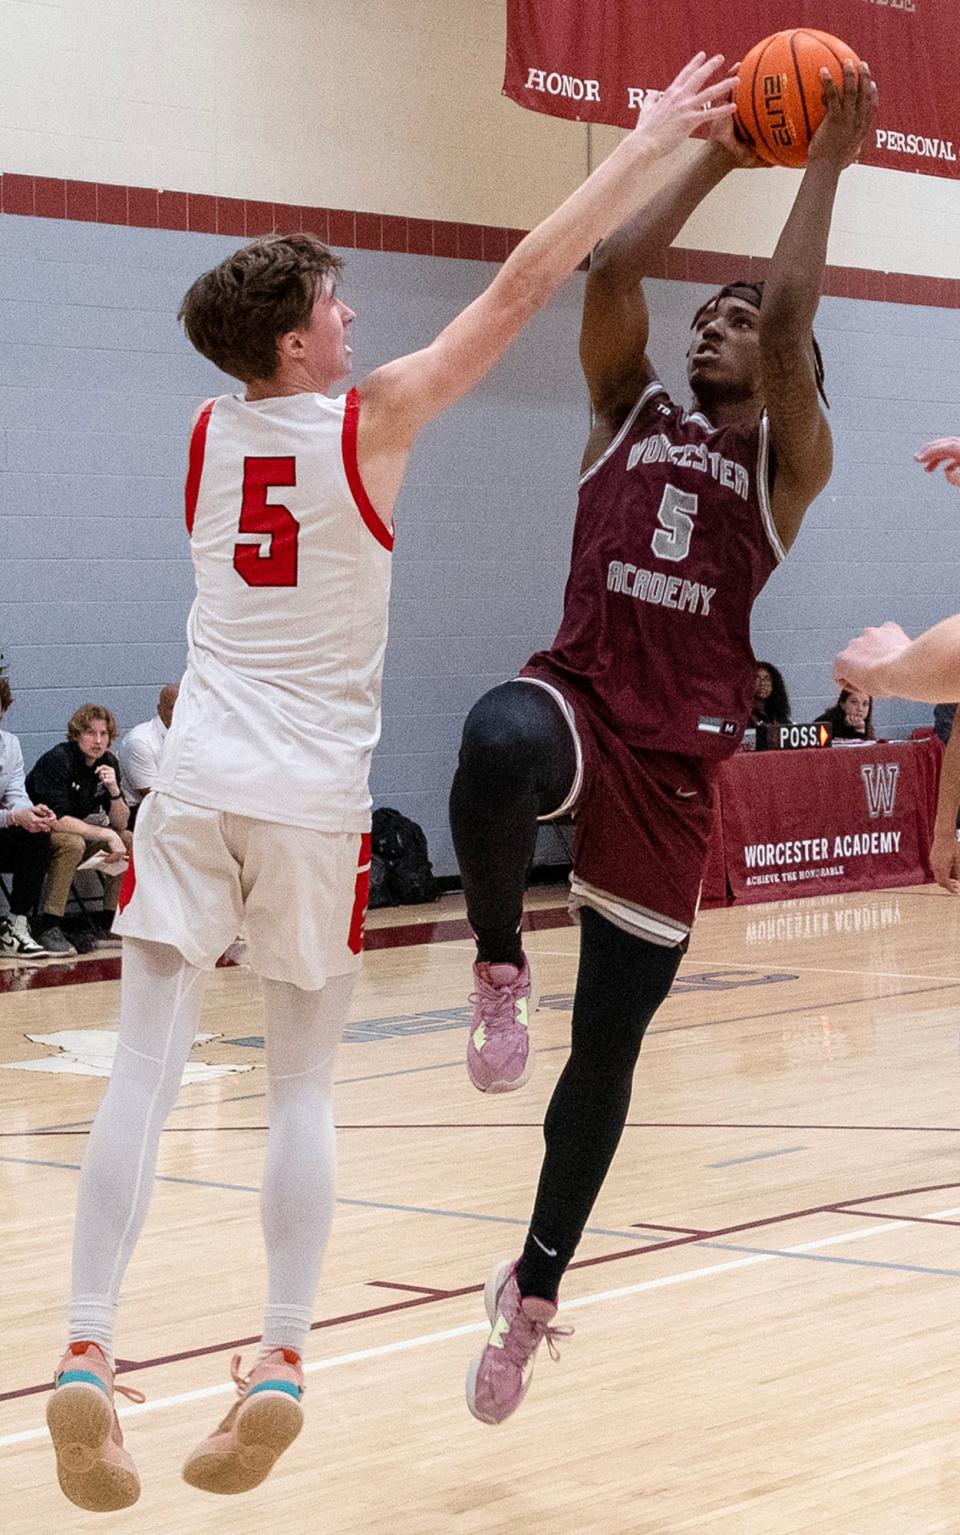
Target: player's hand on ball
(943, 453)
(865, 661)
(731, 136)
(849, 114)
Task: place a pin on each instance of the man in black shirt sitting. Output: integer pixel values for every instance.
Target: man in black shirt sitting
(80, 781)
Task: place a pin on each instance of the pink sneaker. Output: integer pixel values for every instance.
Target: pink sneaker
(498, 1378)
(257, 1429)
(498, 1050)
(93, 1468)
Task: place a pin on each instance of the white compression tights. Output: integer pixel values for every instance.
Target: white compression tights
(161, 996)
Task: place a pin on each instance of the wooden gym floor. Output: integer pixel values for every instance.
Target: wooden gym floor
(765, 1305)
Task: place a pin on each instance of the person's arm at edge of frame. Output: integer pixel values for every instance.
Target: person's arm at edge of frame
(799, 434)
(945, 849)
(887, 663)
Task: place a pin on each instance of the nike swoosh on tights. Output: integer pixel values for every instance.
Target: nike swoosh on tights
(551, 1252)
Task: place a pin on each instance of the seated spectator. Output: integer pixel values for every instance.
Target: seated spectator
(139, 751)
(771, 705)
(24, 844)
(851, 716)
(80, 781)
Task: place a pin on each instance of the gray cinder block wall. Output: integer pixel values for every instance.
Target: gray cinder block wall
(96, 393)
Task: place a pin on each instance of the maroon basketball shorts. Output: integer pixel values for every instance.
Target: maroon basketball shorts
(642, 823)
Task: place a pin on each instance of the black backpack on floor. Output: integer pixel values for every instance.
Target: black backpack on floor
(400, 870)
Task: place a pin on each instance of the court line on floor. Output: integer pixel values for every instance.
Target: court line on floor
(871, 1215)
(886, 975)
(773, 968)
(757, 1156)
(81, 1127)
(859, 1263)
(694, 1238)
(653, 1032)
(422, 1340)
(370, 1204)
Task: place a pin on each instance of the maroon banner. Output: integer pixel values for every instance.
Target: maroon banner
(822, 822)
(595, 60)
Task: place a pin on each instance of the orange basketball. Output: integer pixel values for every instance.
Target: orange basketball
(779, 94)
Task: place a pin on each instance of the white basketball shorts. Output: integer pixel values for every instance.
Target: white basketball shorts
(199, 878)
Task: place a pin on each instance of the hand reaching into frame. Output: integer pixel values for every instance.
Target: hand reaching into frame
(943, 453)
(688, 102)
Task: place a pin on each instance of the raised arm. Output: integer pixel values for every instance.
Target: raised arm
(799, 434)
(401, 397)
(613, 334)
(888, 664)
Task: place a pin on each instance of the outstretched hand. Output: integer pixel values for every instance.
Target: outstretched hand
(690, 100)
(864, 662)
(945, 453)
(849, 114)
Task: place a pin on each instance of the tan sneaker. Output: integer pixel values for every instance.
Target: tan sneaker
(257, 1429)
(93, 1468)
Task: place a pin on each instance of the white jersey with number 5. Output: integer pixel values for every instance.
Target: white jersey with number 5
(279, 710)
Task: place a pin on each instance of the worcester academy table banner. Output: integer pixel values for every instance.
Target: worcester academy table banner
(595, 60)
(823, 822)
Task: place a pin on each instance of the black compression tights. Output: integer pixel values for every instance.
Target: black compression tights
(517, 762)
(621, 982)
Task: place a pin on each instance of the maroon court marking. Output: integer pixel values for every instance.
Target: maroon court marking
(838, 1207)
(692, 1231)
(430, 1297)
(524, 1124)
(885, 1215)
(416, 1289)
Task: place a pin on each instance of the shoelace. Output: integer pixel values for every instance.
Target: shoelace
(242, 1382)
(130, 1392)
(526, 1333)
(498, 1002)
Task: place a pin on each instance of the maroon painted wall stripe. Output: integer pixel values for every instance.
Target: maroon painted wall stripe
(148, 208)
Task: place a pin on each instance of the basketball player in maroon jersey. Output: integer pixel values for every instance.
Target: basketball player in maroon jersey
(682, 517)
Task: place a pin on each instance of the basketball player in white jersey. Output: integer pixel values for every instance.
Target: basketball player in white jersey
(260, 815)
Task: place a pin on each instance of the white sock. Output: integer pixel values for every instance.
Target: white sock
(160, 1001)
(303, 1029)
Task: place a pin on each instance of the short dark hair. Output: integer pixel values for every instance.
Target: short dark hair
(6, 693)
(236, 313)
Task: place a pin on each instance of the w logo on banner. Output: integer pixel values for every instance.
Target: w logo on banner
(880, 786)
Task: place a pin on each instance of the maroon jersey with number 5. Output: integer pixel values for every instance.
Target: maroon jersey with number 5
(673, 541)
